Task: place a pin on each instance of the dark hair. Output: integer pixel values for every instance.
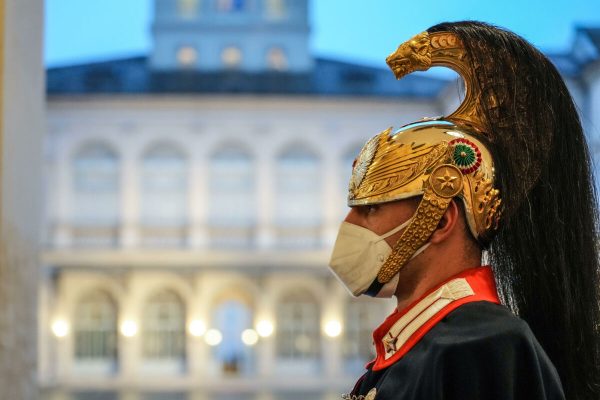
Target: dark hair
(545, 252)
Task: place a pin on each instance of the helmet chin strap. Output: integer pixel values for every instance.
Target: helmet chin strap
(443, 184)
(388, 289)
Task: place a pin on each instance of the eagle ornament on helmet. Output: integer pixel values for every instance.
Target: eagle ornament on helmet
(516, 156)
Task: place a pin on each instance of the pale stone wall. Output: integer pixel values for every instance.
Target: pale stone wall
(201, 125)
(21, 203)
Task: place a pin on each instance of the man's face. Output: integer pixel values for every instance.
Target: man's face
(382, 218)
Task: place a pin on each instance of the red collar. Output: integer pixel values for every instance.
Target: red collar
(403, 329)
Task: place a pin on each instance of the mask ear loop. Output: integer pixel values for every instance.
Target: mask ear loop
(443, 184)
(396, 229)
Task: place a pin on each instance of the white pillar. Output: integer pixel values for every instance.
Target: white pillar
(62, 237)
(21, 134)
(265, 179)
(129, 235)
(46, 352)
(265, 349)
(198, 202)
(331, 199)
(333, 309)
(197, 351)
(129, 347)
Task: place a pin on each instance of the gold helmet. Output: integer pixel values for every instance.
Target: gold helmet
(438, 159)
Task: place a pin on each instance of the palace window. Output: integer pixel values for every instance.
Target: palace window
(231, 57)
(95, 328)
(188, 8)
(163, 196)
(298, 326)
(362, 316)
(276, 59)
(276, 9)
(231, 318)
(232, 203)
(298, 204)
(163, 327)
(95, 196)
(227, 6)
(96, 185)
(187, 56)
(164, 186)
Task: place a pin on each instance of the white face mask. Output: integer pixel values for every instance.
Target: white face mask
(357, 256)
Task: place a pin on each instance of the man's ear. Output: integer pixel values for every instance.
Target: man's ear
(447, 224)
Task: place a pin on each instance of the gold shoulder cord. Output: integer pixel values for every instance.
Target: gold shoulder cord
(445, 181)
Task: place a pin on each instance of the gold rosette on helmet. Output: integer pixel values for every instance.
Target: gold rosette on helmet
(438, 159)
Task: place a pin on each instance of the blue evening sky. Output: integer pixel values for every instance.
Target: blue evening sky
(355, 30)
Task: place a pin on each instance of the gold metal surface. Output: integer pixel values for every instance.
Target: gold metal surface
(369, 396)
(446, 181)
(416, 160)
(443, 49)
(426, 219)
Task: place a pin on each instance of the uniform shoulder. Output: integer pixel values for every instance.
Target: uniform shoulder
(482, 322)
(480, 351)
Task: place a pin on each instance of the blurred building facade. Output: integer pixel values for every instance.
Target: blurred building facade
(192, 198)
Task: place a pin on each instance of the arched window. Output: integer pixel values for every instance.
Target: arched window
(298, 333)
(188, 8)
(298, 205)
(362, 316)
(276, 9)
(232, 203)
(95, 329)
(187, 56)
(95, 195)
(163, 328)
(231, 57)
(228, 6)
(276, 59)
(163, 196)
(231, 318)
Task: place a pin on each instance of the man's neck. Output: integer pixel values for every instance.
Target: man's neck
(420, 276)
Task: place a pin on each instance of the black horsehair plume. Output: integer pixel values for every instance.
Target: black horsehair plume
(545, 254)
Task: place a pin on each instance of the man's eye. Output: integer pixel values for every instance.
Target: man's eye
(370, 209)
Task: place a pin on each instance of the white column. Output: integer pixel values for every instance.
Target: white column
(198, 202)
(197, 349)
(129, 347)
(332, 203)
(265, 349)
(63, 214)
(333, 309)
(129, 235)
(265, 180)
(21, 137)
(46, 349)
(62, 348)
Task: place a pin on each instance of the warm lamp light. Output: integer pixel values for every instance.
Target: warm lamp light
(264, 328)
(333, 328)
(213, 337)
(60, 328)
(197, 328)
(129, 328)
(249, 337)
